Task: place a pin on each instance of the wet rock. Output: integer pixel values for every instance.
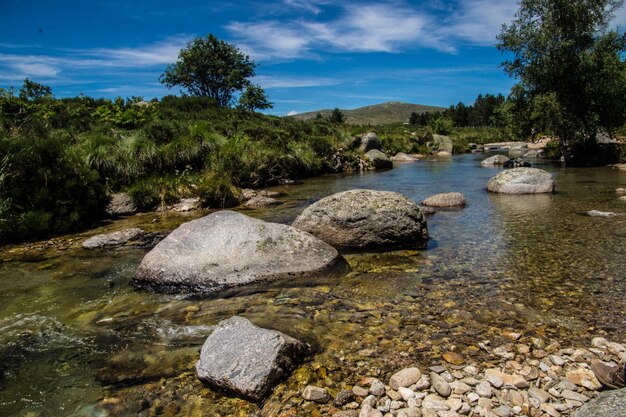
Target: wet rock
(453, 358)
(446, 200)
(607, 404)
(405, 378)
(427, 210)
(598, 213)
(522, 181)
(494, 160)
(121, 204)
(370, 141)
(247, 360)
(620, 190)
(317, 394)
(228, 249)
(516, 163)
(247, 194)
(440, 385)
(402, 157)
(344, 397)
(378, 159)
(365, 219)
(187, 204)
(261, 201)
(118, 238)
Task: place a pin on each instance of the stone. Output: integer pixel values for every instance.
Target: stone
(365, 219)
(378, 159)
(423, 383)
(607, 404)
(402, 157)
(261, 201)
(317, 394)
(447, 413)
(573, 395)
(459, 387)
(405, 378)
(494, 160)
(483, 389)
(620, 190)
(187, 204)
(228, 249)
(583, 377)
(454, 404)
(118, 238)
(444, 154)
(508, 380)
(427, 210)
(409, 412)
(247, 194)
(360, 391)
(370, 141)
(440, 385)
(445, 200)
(516, 163)
(406, 393)
(247, 360)
(394, 395)
(522, 181)
(377, 388)
(369, 411)
(441, 143)
(538, 394)
(434, 402)
(473, 397)
(598, 213)
(346, 413)
(344, 397)
(550, 410)
(121, 204)
(502, 411)
(370, 400)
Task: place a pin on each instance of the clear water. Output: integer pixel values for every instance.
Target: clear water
(76, 339)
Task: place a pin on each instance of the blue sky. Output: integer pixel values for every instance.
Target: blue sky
(312, 54)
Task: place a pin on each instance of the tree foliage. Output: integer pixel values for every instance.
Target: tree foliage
(210, 67)
(570, 67)
(32, 90)
(254, 97)
(337, 116)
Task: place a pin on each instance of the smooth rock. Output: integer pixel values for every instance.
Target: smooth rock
(261, 201)
(406, 393)
(573, 395)
(317, 394)
(247, 360)
(378, 159)
(365, 219)
(494, 160)
(508, 380)
(227, 249)
(440, 385)
(445, 200)
(607, 404)
(405, 378)
(118, 238)
(360, 391)
(368, 411)
(402, 157)
(484, 389)
(522, 181)
(370, 141)
(121, 204)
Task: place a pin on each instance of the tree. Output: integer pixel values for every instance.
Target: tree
(212, 68)
(337, 116)
(254, 97)
(570, 67)
(32, 90)
(414, 119)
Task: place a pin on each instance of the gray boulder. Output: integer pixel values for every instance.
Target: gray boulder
(516, 163)
(228, 249)
(607, 404)
(522, 181)
(494, 160)
(441, 143)
(402, 157)
(370, 141)
(121, 204)
(378, 159)
(446, 200)
(247, 360)
(365, 219)
(187, 204)
(261, 201)
(118, 238)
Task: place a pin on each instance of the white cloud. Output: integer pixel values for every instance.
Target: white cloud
(479, 21)
(308, 5)
(267, 81)
(292, 113)
(267, 40)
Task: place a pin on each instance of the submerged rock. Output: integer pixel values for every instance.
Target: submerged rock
(248, 360)
(261, 201)
(516, 163)
(522, 181)
(446, 200)
(227, 249)
(365, 219)
(607, 404)
(598, 213)
(494, 160)
(370, 141)
(379, 159)
(121, 204)
(118, 238)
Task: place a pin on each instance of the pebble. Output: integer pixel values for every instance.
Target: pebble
(440, 385)
(343, 397)
(368, 411)
(434, 402)
(447, 413)
(395, 395)
(360, 391)
(483, 389)
(539, 394)
(438, 369)
(406, 393)
(423, 383)
(473, 397)
(405, 378)
(370, 400)
(313, 393)
(503, 411)
(584, 378)
(550, 410)
(377, 388)
(459, 387)
(453, 358)
(454, 403)
(572, 395)
(409, 412)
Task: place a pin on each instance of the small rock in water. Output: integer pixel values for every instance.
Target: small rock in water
(260, 201)
(445, 200)
(440, 385)
(453, 358)
(113, 239)
(313, 393)
(598, 213)
(405, 378)
(344, 397)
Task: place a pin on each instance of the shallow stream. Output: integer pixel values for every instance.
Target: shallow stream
(76, 339)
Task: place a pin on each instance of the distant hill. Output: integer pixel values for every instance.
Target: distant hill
(378, 114)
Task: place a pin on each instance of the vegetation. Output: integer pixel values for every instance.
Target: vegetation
(379, 114)
(571, 72)
(337, 116)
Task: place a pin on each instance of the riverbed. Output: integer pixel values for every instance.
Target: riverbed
(76, 339)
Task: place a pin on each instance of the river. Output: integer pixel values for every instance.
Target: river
(76, 339)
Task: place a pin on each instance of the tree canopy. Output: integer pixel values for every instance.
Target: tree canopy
(570, 67)
(254, 97)
(337, 116)
(212, 68)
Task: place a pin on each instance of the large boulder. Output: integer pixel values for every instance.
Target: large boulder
(607, 404)
(247, 360)
(494, 160)
(446, 200)
(118, 238)
(365, 219)
(121, 204)
(378, 159)
(522, 181)
(402, 157)
(228, 249)
(370, 141)
(441, 143)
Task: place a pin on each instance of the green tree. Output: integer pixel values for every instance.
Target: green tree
(254, 97)
(337, 116)
(571, 71)
(442, 126)
(32, 90)
(212, 68)
(414, 119)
